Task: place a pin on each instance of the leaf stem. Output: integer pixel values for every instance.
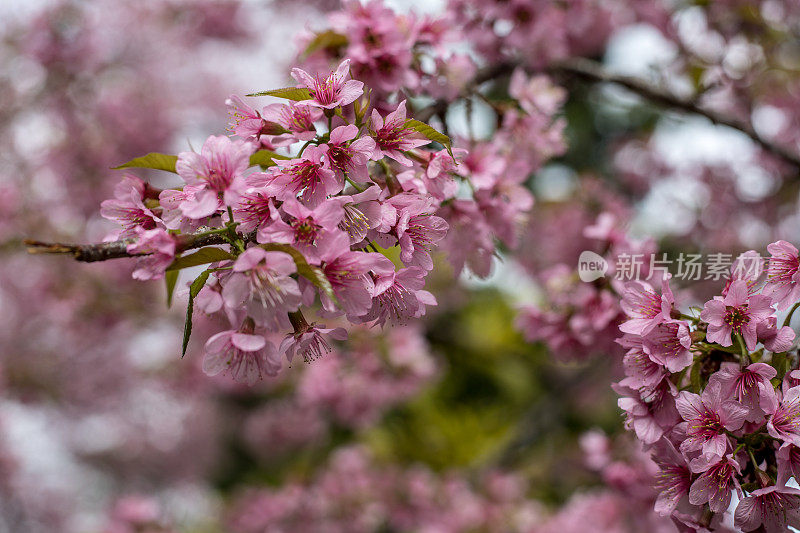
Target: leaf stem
(358, 187)
(745, 360)
(788, 318)
(303, 148)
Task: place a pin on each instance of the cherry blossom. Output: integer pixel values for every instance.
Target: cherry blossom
(335, 90)
(310, 177)
(392, 136)
(707, 418)
(246, 357)
(261, 280)
(217, 170)
(783, 274)
(737, 313)
(158, 246)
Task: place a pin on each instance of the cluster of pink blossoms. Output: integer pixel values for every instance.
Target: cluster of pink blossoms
(542, 32)
(321, 223)
(352, 388)
(399, 54)
(355, 493)
(577, 319)
(715, 395)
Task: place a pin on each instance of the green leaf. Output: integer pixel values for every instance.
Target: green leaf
(780, 362)
(328, 39)
(316, 276)
(200, 257)
(265, 158)
(430, 133)
(194, 290)
(152, 160)
(312, 273)
(361, 105)
(171, 278)
(273, 128)
(290, 93)
(695, 380)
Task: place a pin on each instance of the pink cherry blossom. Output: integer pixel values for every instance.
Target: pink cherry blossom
(297, 119)
(417, 229)
(127, 208)
(171, 214)
(714, 486)
(350, 158)
(748, 267)
(304, 228)
(469, 242)
(381, 45)
(335, 90)
(775, 508)
(245, 356)
(245, 121)
(650, 414)
(260, 281)
(708, 416)
(438, 177)
(484, 165)
(209, 300)
(398, 295)
(160, 249)
(363, 212)
(788, 459)
(790, 379)
(783, 274)
(641, 371)
(774, 339)
(674, 477)
(738, 313)
(645, 307)
(254, 211)
(310, 342)
(392, 137)
(668, 344)
(347, 273)
(309, 176)
(537, 94)
(750, 387)
(784, 422)
(218, 170)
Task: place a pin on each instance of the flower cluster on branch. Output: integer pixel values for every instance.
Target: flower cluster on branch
(714, 394)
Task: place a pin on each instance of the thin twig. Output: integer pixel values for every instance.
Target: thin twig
(594, 72)
(90, 253)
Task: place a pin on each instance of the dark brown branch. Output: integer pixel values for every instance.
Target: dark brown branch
(439, 107)
(594, 72)
(90, 253)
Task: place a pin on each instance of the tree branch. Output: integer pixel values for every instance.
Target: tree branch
(489, 73)
(594, 72)
(90, 253)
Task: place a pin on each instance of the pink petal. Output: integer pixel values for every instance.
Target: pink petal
(248, 343)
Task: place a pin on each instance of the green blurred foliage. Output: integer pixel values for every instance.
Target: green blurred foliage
(501, 401)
